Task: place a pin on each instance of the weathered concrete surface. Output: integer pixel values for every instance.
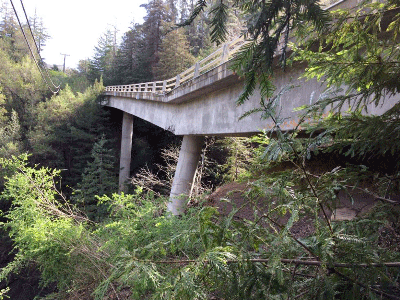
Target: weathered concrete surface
(126, 148)
(182, 185)
(206, 105)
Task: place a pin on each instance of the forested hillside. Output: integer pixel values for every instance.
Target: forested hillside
(60, 130)
(274, 235)
(70, 130)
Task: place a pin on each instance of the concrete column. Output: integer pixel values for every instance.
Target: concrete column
(126, 148)
(189, 156)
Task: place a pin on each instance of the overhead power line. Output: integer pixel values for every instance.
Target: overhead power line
(46, 80)
(36, 45)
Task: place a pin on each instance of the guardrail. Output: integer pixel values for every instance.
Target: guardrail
(216, 58)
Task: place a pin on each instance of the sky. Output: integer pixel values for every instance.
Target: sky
(75, 26)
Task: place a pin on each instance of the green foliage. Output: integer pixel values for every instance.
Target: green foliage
(3, 292)
(140, 235)
(174, 55)
(77, 80)
(205, 254)
(21, 87)
(359, 51)
(67, 126)
(239, 158)
(131, 62)
(40, 221)
(102, 64)
(155, 49)
(10, 136)
(219, 22)
(99, 178)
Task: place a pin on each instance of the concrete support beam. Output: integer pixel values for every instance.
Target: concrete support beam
(126, 148)
(182, 184)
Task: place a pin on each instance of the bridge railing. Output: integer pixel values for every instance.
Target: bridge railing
(220, 56)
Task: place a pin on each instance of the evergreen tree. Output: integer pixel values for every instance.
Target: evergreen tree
(131, 63)
(239, 157)
(99, 178)
(174, 55)
(11, 38)
(359, 60)
(183, 10)
(198, 32)
(39, 32)
(152, 30)
(102, 64)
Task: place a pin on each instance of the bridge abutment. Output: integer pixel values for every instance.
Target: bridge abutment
(126, 148)
(182, 184)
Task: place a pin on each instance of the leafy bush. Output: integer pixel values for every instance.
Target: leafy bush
(203, 254)
(3, 292)
(44, 227)
(81, 256)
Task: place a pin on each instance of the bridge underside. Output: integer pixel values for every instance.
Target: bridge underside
(207, 104)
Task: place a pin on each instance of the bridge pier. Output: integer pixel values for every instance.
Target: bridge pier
(126, 148)
(182, 184)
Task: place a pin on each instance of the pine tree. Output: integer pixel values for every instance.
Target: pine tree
(131, 62)
(198, 32)
(239, 157)
(174, 55)
(66, 127)
(11, 38)
(152, 30)
(39, 31)
(98, 178)
(102, 64)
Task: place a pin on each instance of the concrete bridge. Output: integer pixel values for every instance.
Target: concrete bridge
(200, 102)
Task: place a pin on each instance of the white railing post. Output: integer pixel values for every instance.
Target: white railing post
(164, 86)
(225, 53)
(178, 79)
(196, 70)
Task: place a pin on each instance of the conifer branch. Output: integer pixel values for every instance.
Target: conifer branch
(284, 261)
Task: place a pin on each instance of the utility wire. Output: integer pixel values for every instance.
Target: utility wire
(37, 48)
(33, 56)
